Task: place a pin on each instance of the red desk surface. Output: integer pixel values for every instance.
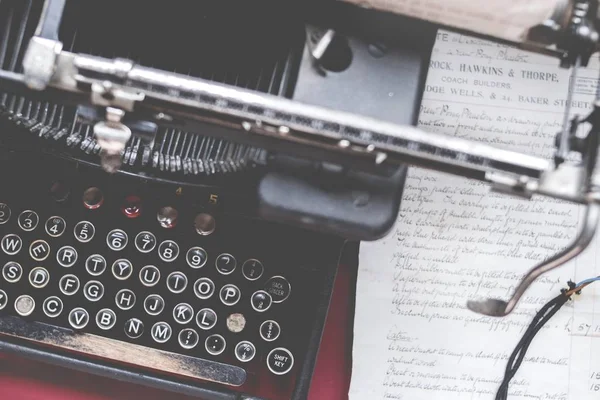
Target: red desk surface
(22, 379)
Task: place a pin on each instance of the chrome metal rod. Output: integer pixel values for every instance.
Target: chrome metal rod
(563, 148)
(257, 114)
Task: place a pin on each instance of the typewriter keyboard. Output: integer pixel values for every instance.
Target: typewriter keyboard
(154, 281)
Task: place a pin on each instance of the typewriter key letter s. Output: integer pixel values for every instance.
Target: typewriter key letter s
(12, 272)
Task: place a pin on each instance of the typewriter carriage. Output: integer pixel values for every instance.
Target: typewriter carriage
(261, 46)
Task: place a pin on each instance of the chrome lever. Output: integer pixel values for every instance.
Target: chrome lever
(501, 308)
(112, 136)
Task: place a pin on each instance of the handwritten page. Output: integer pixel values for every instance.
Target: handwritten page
(455, 240)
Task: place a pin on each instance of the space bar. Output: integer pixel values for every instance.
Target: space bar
(123, 352)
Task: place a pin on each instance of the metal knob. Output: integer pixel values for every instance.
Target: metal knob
(93, 198)
(205, 224)
(167, 217)
(59, 191)
(132, 206)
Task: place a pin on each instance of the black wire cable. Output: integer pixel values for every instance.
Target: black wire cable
(539, 320)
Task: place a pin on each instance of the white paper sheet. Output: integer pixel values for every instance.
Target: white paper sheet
(454, 240)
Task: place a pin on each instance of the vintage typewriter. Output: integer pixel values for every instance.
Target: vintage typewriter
(178, 179)
(183, 270)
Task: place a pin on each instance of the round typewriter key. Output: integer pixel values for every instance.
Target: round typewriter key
(225, 263)
(66, 256)
(55, 226)
(230, 294)
(39, 277)
(236, 322)
(161, 332)
(279, 288)
(116, 239)
(28, 220)
(125, 299)
(92, 198)
(269, 330)
(206, 319)
(188, 338)
(196, 257)
(84, 231)
(215, 344)
(95, 265)
(168, 251)
(11, 244)
(39, 250)
(204, 288)
(149, 275)
(69, 284)
(154, 304)
(145, 242)
(261, 301)
(12, 272)
(3, 299)
(52, 306)
(5, 213)
(280, 361)
(132, 207)
(93, 290)
(24, 305)
(79, 318)
(106, 319)
(204, 224)
(134, 328)
(252, 269)
(183, 313)
(177, 282)
(122, 269)
(167, 217)
(245, 351)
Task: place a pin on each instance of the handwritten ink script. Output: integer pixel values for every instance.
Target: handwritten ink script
(455, 240)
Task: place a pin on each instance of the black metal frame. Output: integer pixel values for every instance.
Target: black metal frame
(205, 392)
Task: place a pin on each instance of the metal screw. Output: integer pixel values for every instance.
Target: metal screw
(361, 199)
(377, 50)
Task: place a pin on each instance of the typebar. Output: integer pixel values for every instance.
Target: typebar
(132, 354)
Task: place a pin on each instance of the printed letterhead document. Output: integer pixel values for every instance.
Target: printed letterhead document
(456, 240)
